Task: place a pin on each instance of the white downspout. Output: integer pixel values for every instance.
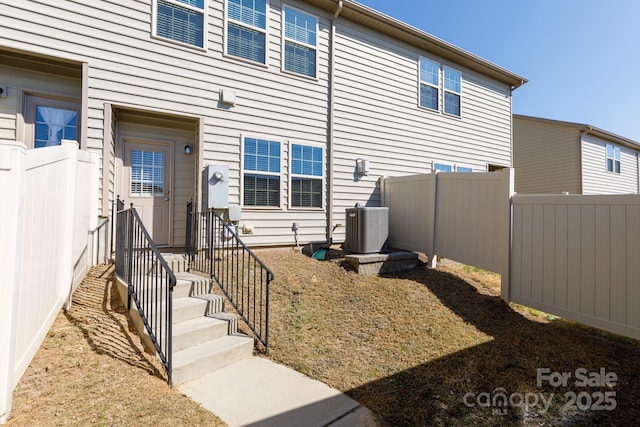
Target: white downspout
(332, 52)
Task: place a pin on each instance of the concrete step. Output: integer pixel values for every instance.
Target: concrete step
(230, 319)
(193, 362)
(188, 284)
(177, 262)
(188, 308)
(195, 331)
(215, 303)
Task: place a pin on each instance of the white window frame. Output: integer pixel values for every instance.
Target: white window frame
(292, 175)
(616, 159)
(458, 166)
(265, 30)
(445, 91)
(29, 114)
(285, 39)
(440, 87)
(421, 82)
(437, 162)
(205, 17)
(279, 174)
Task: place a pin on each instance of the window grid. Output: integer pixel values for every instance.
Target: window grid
(182, 21)
(247, 29)
(147, 173)
(442, 167)
(300, 42)
(429, 84)
(306, 176)
(452, 89)
(613, 158)
(262, 168)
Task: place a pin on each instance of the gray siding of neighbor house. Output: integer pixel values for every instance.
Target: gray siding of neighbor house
(546, 157)
(595, 177)
(376, 113)
(377, 118)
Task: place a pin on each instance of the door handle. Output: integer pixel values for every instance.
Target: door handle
(166, 199)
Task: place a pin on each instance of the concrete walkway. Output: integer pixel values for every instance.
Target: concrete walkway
(257, 392)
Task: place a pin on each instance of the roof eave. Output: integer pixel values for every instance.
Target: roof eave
(378, 21)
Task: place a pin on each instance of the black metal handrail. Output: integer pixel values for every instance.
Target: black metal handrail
(213, 247)
(150, 281)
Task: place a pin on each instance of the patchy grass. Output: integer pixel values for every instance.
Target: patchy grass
(412, 346)
(92, 370)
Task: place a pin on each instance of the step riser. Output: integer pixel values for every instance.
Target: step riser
(196, 337)
(210, 363)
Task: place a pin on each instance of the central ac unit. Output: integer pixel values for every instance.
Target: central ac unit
(367, 229)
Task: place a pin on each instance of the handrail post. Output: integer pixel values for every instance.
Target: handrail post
(130, 256)
(188, 245)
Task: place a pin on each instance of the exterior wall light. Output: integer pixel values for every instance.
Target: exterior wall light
(187, 149)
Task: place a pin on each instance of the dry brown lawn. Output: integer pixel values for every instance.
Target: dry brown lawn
(409, 347)
(92, 370)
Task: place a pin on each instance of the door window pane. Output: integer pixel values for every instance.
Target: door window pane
(147, 173)
(52, 125)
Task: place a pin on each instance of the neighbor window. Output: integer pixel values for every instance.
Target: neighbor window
(182, 21)
(247, 29)
(451, 91)
(429, 83)
(300, 42)
(306, 176)
(442, 167)
(463, 169)
(262, 167)
(613, 158)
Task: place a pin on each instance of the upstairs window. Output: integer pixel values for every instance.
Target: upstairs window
(262, 167)
(247, 29)
(452, 91)
(306, 176)
(613, 158)
(463, 169)
(429, 84)
(182, 21)
(300, 42)
(440, 87)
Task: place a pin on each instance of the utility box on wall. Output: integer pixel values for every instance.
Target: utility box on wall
(215, 187)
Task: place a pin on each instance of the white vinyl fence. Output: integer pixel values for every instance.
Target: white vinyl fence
(574, 256)
(460, 216)
(579, 257)
(48, 225)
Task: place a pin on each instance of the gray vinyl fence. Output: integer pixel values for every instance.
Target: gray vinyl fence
(570, 255)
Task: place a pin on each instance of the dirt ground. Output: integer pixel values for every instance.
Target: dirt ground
(439, 347)
(427, 347)
(92, 370)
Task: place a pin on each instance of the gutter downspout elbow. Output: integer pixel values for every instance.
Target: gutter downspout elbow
(338, 11)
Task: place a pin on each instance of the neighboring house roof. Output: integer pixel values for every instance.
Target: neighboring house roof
(385, 24)
(586, 129)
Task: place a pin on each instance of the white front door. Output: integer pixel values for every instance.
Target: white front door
(147, 183)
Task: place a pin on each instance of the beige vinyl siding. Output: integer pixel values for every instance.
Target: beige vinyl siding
(595, 177)
(546, 157)
(275, 106)
(377, 118)
(128, 67)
